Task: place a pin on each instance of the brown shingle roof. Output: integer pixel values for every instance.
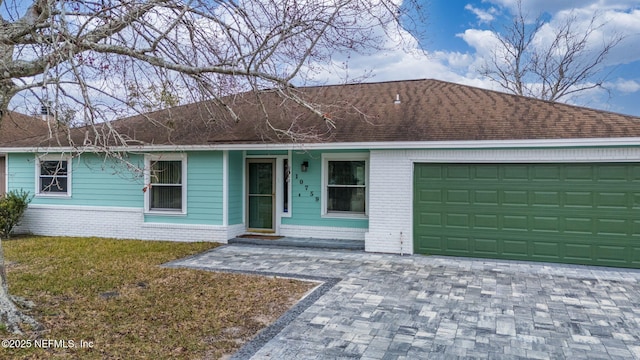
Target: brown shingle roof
(429, 110)
(15, 126)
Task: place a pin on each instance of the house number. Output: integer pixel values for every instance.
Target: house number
(306, 188)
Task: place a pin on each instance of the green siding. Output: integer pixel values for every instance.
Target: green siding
(204, 191)
(235, 187)
(306, 194)
(21, 172)
(570, 213)
(95, 181)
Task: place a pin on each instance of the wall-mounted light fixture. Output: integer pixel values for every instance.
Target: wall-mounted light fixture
(305, 166)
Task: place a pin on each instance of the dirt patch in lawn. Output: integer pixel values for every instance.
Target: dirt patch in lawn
(110, 299)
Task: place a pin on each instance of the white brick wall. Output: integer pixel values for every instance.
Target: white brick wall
(391, 183)
(112, 222)
(128, 223)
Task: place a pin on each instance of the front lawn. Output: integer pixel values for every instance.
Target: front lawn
(113, 296)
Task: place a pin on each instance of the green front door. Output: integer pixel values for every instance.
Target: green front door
(569, 213)
(260, 194)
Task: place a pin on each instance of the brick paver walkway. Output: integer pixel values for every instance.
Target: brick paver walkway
(381, 306)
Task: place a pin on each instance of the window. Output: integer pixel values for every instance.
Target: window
(345, 185)
(54, 177)
(285, 186)
(165, 185)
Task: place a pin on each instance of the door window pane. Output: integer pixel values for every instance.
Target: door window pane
(260, 212)
(260, 178)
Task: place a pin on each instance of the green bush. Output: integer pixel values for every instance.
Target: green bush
(12, 207)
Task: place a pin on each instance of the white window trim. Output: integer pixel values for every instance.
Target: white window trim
(147, 180)
(6, 173)
(42, 158)
(325, 173)
(280, 180)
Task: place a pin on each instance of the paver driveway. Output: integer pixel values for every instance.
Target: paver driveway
(382, 306)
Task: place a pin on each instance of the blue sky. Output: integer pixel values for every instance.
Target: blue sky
(458, 39)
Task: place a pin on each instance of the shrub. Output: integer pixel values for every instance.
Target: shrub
(12, 207)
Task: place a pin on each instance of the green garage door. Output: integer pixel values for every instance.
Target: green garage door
(568, 213)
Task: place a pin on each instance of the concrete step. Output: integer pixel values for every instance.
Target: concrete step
(302, 242)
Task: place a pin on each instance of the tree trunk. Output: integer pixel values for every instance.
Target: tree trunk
(10, 316)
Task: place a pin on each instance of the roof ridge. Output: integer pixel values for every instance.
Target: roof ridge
(383, 82)
(427, 110)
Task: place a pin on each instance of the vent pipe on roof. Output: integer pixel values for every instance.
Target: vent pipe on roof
(397, 100)
(45, 112)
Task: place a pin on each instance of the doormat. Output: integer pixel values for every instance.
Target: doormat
(261, 237)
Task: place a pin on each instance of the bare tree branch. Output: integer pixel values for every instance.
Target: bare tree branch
(523, 64)
(108, 58)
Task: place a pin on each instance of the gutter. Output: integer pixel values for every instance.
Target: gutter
(384, 145)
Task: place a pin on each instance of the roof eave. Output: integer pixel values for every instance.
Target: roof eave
(395, 145)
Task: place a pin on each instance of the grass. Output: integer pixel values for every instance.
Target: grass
(113, 294)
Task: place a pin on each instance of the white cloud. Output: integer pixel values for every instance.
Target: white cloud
(455, 60)
(536, 7)
(624, 86)
(628, 25)
(483, 41)
(485, 44)
(484, 16)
